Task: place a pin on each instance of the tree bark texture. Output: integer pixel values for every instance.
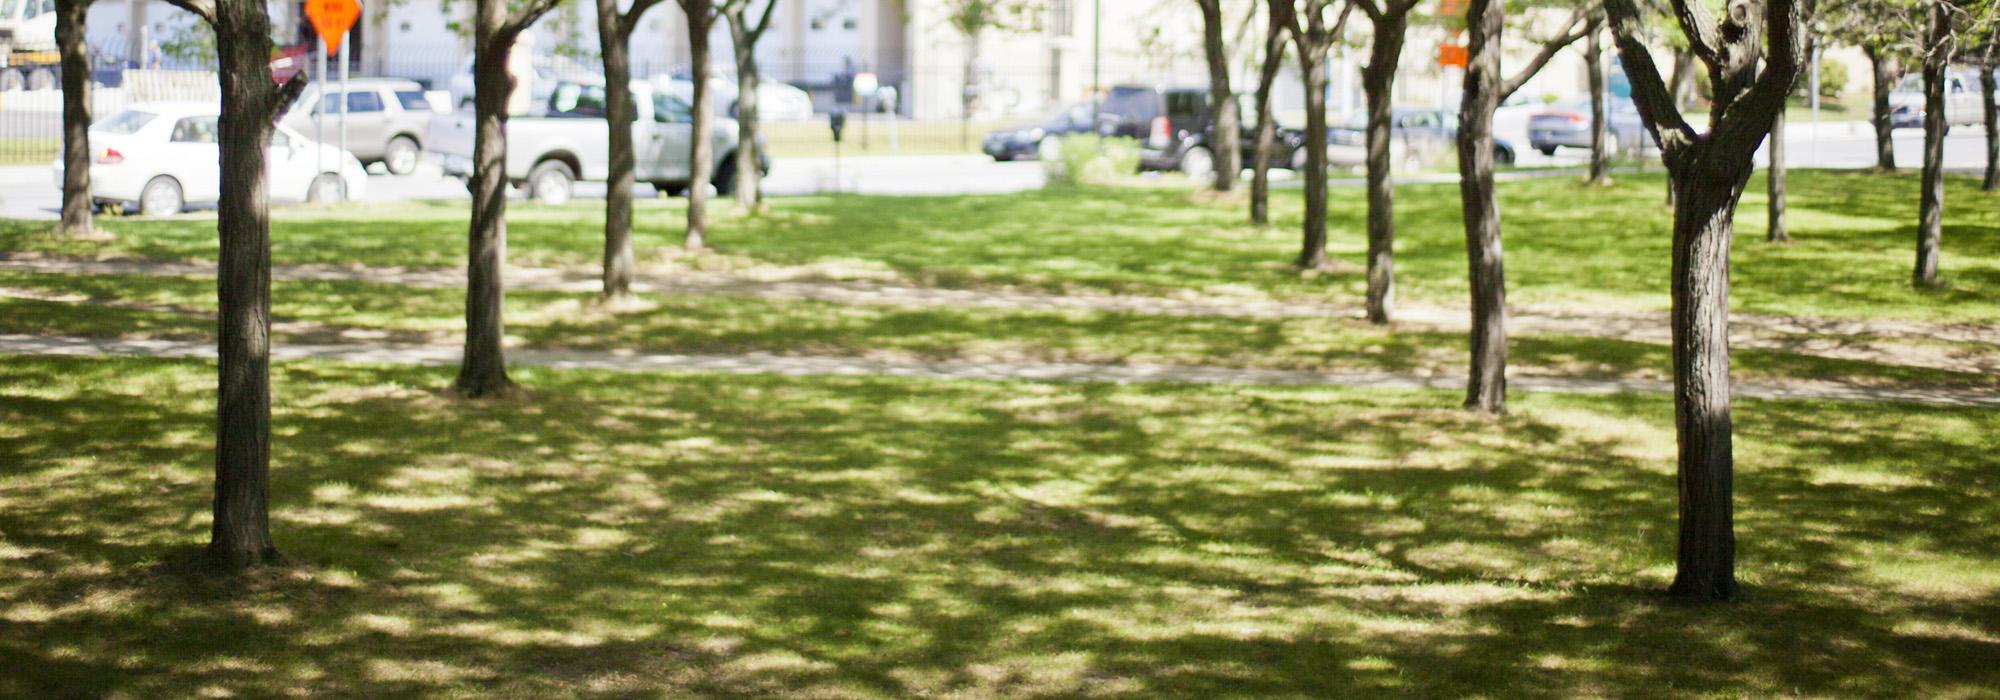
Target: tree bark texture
(241, 533)
(1884, 71)
(74, 49)
(1600, 147)
(1312, 256)
(614, 42)
(1267, 128)
(743, 37)
(1682, 84)
(1378, 80)
(701, 165)
(1486, 385)
(1930, 206)
(483, 371)
(1709, 171)
(1991, 108)
(1228, 143)
(1776, 231)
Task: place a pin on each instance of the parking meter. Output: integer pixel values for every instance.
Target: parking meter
(837, 119)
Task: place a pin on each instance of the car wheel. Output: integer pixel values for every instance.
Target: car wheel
(328, 188)
(161, 197)
(41, 79)
(725, 177)
(1197, 162)
(1547, 150)
(669, 189)
(551, 182)
(1048, 148)
(11, 80)
(401, 156)
(1503, 155)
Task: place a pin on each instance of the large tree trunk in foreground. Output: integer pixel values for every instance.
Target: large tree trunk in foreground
(1703, 212)
(1884, 70)
(1228, 144)
(1267, 127)
(1486, 384)
(1930, 207)
(483, 371)
(701, 163)
(241, 533)
(1991, 108)
(749, 180)
(75, 52)
(1378, 80)
(1774, 181)
(613, 43)
(1600, 147)
(1313, 255)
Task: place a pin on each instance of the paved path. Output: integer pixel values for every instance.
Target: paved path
(440, 355)
(1907, 343)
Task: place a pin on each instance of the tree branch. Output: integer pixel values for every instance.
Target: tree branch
(205, 9)
(1649, 92)
(1548, 51)
(1368, 7)
(288, 95)
(763, 21)
(628, 21)
(519, 20)
(1704, 39)
(1745, 121)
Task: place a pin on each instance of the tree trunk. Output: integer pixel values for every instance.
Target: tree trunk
(1267, 76)
(1600, 147)
(1704, 210)
(1991, 110)
(1378, 81)
(749, 180)
(241, 533)
(1224, 122)
(1775, 184)
(1486, 385)
(75, 56)
(483, 372)
(1884, 70)
(1313, 255)
(701, 166)
(614, 43)
(1930, 207)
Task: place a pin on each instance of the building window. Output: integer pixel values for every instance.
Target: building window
(1062, 18)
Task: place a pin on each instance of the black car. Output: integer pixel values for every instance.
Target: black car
(1175, 129)
(1039, 141)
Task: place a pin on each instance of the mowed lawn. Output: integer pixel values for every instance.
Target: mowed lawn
(1567, 245)
(633, 535)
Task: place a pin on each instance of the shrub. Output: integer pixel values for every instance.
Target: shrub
(1089, 159)
(1832, 78)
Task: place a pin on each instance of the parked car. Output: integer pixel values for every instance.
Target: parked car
(387, 119)
(163, 157)
(1040, 141)
(565, 140)
(776, 102)
(1175, 129)
(1569, 125)
(1417, 135)
(546, 73)
(1961, 100)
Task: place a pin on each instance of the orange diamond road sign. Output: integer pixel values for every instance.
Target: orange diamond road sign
(332, 19)
(1451, 55)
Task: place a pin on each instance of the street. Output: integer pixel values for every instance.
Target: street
(29, 192)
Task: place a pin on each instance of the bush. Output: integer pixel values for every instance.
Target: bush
(1090, 159)
(1832, 78)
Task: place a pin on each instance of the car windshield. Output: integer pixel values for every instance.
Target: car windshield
(127, 122)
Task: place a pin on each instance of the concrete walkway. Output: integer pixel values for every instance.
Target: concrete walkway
(1898, 342)
(440, 355)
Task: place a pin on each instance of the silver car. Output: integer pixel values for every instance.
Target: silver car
(387, 119)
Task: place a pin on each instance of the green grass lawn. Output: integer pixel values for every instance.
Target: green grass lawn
(639, 535)
(323, 312)
(1566, 245)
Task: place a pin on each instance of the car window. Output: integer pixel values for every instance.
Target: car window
(1180, 104)
(413, 100)
(668, 109)
(127, 122)
(7, 8)
(574, 100)
(1131, 103)
(364, 102)
(33, 9)
(194, 130)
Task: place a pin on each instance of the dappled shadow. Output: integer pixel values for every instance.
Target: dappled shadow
(640, 535)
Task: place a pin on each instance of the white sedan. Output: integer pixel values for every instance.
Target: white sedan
(164, 158)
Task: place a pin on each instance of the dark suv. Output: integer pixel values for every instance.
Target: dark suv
(1175, 129)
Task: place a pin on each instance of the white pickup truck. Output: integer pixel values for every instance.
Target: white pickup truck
(552, 147)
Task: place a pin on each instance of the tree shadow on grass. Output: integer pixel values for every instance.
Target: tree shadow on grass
(645, 535)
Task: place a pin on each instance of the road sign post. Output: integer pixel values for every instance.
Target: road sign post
(331, 19)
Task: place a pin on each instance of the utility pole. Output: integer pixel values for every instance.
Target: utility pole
(1096, 64)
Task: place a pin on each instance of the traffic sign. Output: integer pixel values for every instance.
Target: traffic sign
(332, 19)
